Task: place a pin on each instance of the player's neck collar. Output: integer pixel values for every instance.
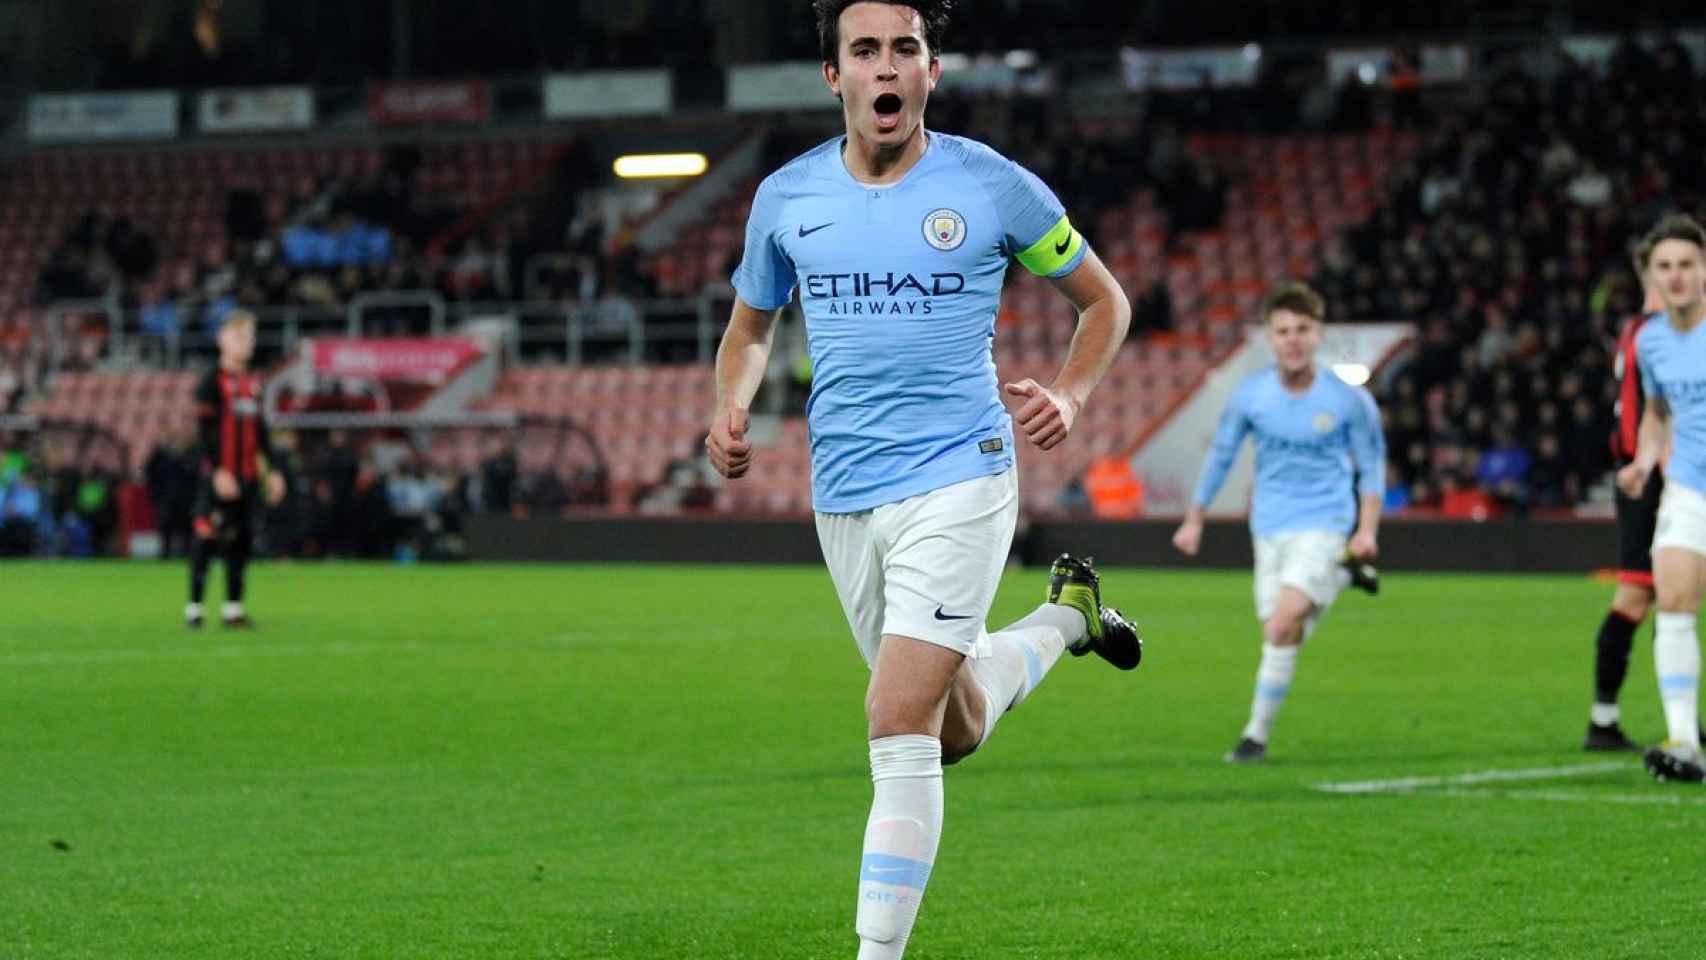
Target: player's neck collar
(1307, 385)
(846, 143)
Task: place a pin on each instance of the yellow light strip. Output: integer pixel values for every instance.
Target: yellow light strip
(638, 165)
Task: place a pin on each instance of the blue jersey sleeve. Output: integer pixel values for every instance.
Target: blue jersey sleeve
(1228, 437)
(1034, 225)
(1368, 445)
(765, 278)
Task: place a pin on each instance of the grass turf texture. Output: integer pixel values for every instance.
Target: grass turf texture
(646, 762)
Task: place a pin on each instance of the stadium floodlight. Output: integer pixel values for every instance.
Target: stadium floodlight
(642, 165)
(1355, 374)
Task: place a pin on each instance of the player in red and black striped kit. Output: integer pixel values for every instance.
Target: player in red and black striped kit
(236, 470)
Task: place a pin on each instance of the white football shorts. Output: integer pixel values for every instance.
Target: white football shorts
(1305, 560)
(1682, 519)
(926, 567)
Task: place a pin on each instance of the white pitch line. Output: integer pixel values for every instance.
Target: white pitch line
(1403, 784)
(54, 658)
(59, 658)
(1672, 796)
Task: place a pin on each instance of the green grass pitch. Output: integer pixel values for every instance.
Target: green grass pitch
(649, 762)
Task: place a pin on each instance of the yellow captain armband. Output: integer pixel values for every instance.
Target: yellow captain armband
(1055, 250)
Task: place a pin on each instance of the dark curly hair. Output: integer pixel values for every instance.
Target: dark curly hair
(934, 13)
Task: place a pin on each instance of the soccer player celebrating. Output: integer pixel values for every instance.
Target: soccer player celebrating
(1636, 518)
(1673, 368)
(897, 239)
(233, 475)
(1313, 434)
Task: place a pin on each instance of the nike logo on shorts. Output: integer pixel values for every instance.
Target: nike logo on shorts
(806, 233)
(945, 616)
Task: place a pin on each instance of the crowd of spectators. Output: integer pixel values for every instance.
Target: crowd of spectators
(375, 496)
(57, 498)
(357, 496)
(1507, 241)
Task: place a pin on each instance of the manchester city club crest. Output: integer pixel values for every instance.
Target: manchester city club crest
(944, 229)
(1324, 422)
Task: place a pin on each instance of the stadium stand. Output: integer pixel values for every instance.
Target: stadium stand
(1506, 239)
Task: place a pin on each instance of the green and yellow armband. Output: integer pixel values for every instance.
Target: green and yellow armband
(1055, 250)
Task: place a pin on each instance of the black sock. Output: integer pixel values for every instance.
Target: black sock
(236, 564)
(201, 556)
(1611, 659)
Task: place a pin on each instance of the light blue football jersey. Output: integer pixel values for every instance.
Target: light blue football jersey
(1307, 448)
(900, 285)
(1673, 367)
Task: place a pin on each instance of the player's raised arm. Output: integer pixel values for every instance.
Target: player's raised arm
(1104, 314)
(741, 359)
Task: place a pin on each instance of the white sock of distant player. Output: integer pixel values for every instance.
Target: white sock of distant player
(1273, 682)
(1021, 655)
(231, 611)
(1676, 656)
(900, 841)
(1605, 714)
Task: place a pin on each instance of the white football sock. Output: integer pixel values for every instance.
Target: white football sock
(1676, 656)
(231, 611)
(1273, 682)
(901, 836)
(1021, 655)
(192, 611)
(1605, 714)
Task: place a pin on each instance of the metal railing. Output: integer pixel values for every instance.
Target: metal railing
(608, 330)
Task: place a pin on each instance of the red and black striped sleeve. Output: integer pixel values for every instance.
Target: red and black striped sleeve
(1631, 394)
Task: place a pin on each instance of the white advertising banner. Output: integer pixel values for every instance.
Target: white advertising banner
(255, 109)
(1190, 69)
(62, 117)
(608, 93)
(797, 85)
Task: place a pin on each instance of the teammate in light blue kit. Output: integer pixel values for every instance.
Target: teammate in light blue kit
(1671, 349)
(897, 240)
(1313, 433)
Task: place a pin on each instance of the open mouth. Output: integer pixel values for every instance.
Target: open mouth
(887, 107)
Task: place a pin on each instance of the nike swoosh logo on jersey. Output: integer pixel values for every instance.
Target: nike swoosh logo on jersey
(945, 616)
(806, 233)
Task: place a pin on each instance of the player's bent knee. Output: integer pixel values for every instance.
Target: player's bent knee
(1681, 601)
(1678, 598)
(1283, 631)
(1633, 611)
(898, 714)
